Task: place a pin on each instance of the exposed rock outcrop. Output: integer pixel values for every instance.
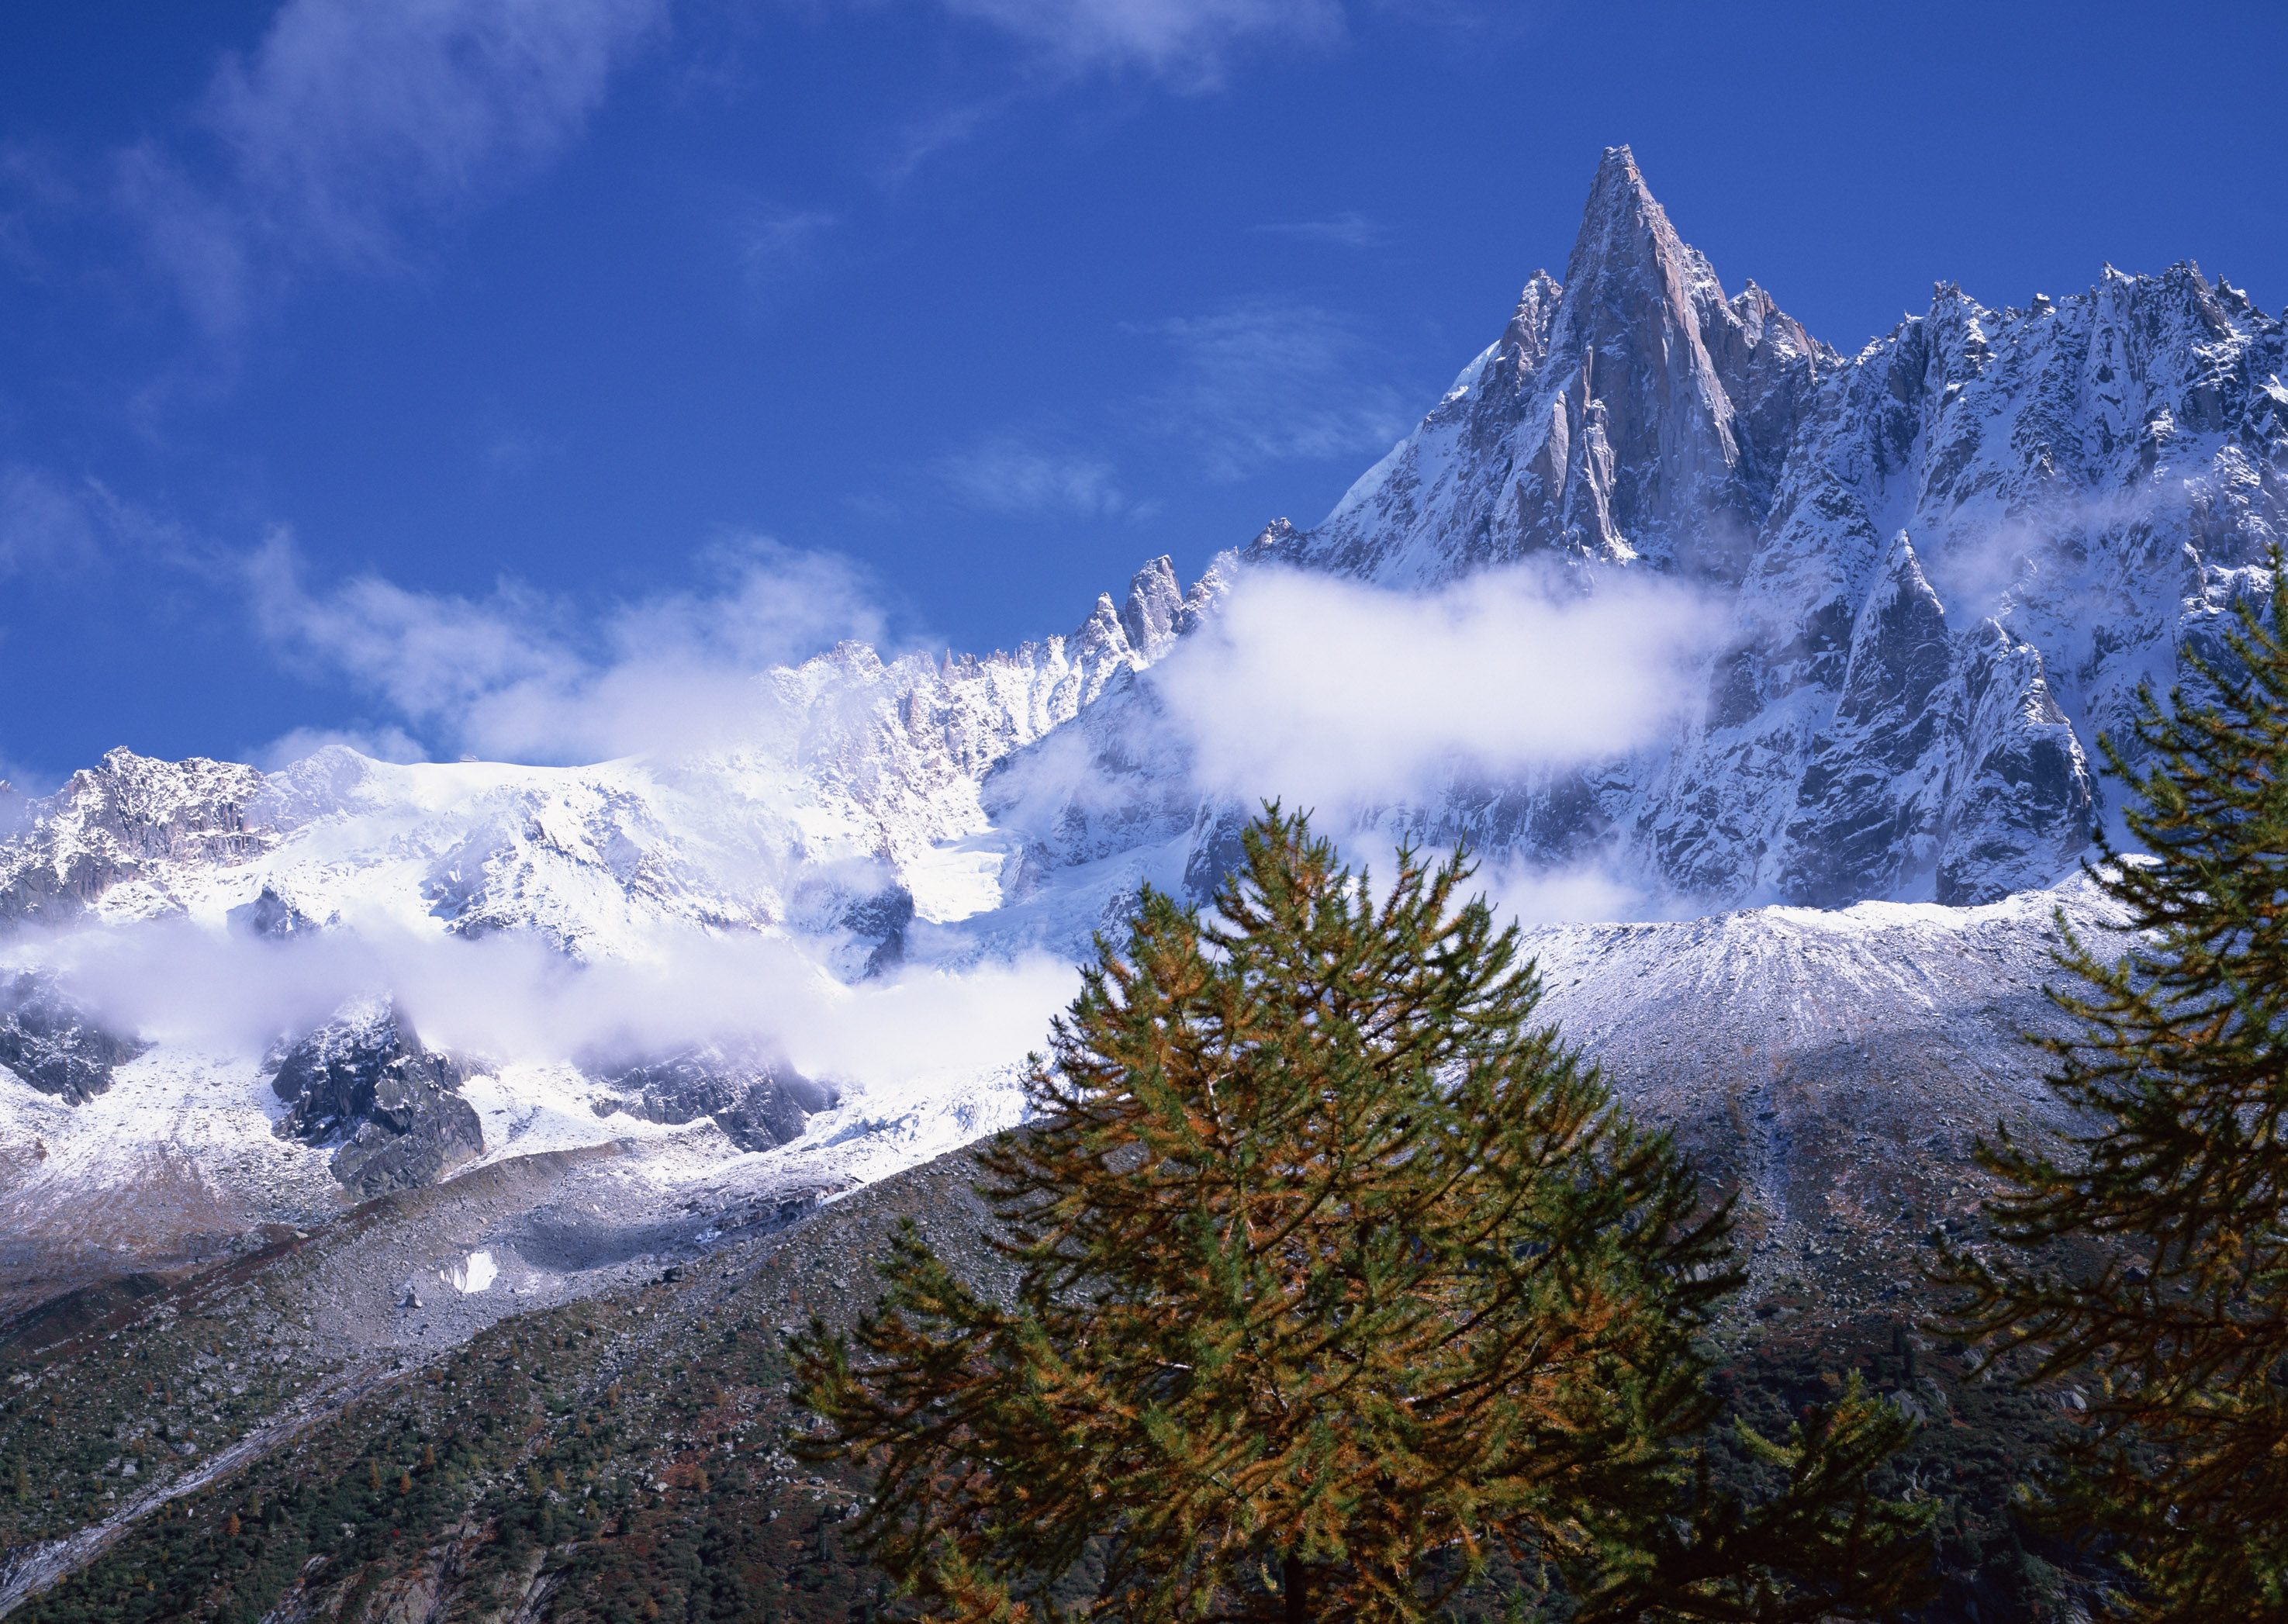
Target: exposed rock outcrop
(364, 1083)
(756, 1102)
(55, 1044)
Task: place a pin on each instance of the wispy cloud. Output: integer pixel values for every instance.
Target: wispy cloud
(349, 120)
(925, 138)
(43, 525)
(56, 526)
(383, 744)
(508, 451)
(1187, 44)
(1349, 230)
(1010, 476)
(777, 247)
(1268, 382)
(522, 676)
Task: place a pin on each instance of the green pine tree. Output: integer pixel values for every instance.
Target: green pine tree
(1343, 1287)
(2151, 1251)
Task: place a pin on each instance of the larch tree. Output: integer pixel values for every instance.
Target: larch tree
(2149, 1252)
(1342, 1287)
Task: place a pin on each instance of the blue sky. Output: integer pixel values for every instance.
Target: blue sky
(359, 361)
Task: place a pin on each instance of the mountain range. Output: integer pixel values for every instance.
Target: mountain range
(1925, 579)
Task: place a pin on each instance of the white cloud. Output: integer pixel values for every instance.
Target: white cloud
(376, 743)
(1186, 42)
(520, 676)
(1006, 475)
(1348, 230)
(1269, 382)
(349, 118)
(509, 452)
(1329, 693)
(58, 526)
(937, 132)
(1574, 894)
(508, 997)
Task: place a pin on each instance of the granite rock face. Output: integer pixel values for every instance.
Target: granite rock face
(53, 1043)
(364, 1083)
(1631, 412)
(1946, 562)
(757, 1103)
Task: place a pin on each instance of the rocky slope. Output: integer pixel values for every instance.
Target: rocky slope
(264, 1438)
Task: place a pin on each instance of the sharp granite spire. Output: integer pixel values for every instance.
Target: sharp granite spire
(1635, 413)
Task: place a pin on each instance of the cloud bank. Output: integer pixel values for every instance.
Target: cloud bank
(1331, 693)
(503, 999)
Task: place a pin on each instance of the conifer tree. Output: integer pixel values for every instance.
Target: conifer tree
(1342, 1285)
(2149, 1253)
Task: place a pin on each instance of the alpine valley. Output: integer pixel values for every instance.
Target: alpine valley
(337, 1073)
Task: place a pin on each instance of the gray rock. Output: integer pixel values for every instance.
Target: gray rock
(756, 1101)
(881, 920)
(55, 1044)
(1945, 753)
(271, 917)
(364, 1083)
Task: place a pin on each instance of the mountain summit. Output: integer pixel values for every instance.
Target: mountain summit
(1633, 413)
(1946, 562)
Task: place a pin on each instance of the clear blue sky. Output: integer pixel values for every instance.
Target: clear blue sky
(536, 309)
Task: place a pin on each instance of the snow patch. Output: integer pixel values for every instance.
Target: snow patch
(472, 1275)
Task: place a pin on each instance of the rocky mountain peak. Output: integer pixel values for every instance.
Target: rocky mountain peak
(1633, 411)
(127, 821)
(1156, 601)
(2072, 492)
(1664, 368)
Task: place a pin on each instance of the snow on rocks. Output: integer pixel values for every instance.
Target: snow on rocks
(1941, 567)
(1948, 561)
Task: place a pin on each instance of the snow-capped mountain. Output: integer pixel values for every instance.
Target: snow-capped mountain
(1947, 561)
(1938, 569)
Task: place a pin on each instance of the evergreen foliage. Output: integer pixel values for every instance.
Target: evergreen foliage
(1342, 1287)
(2151, 1250)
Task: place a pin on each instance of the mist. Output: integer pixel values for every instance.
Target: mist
(1353, 700)
(506, 998)
(522, 676)
(1334, 694)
